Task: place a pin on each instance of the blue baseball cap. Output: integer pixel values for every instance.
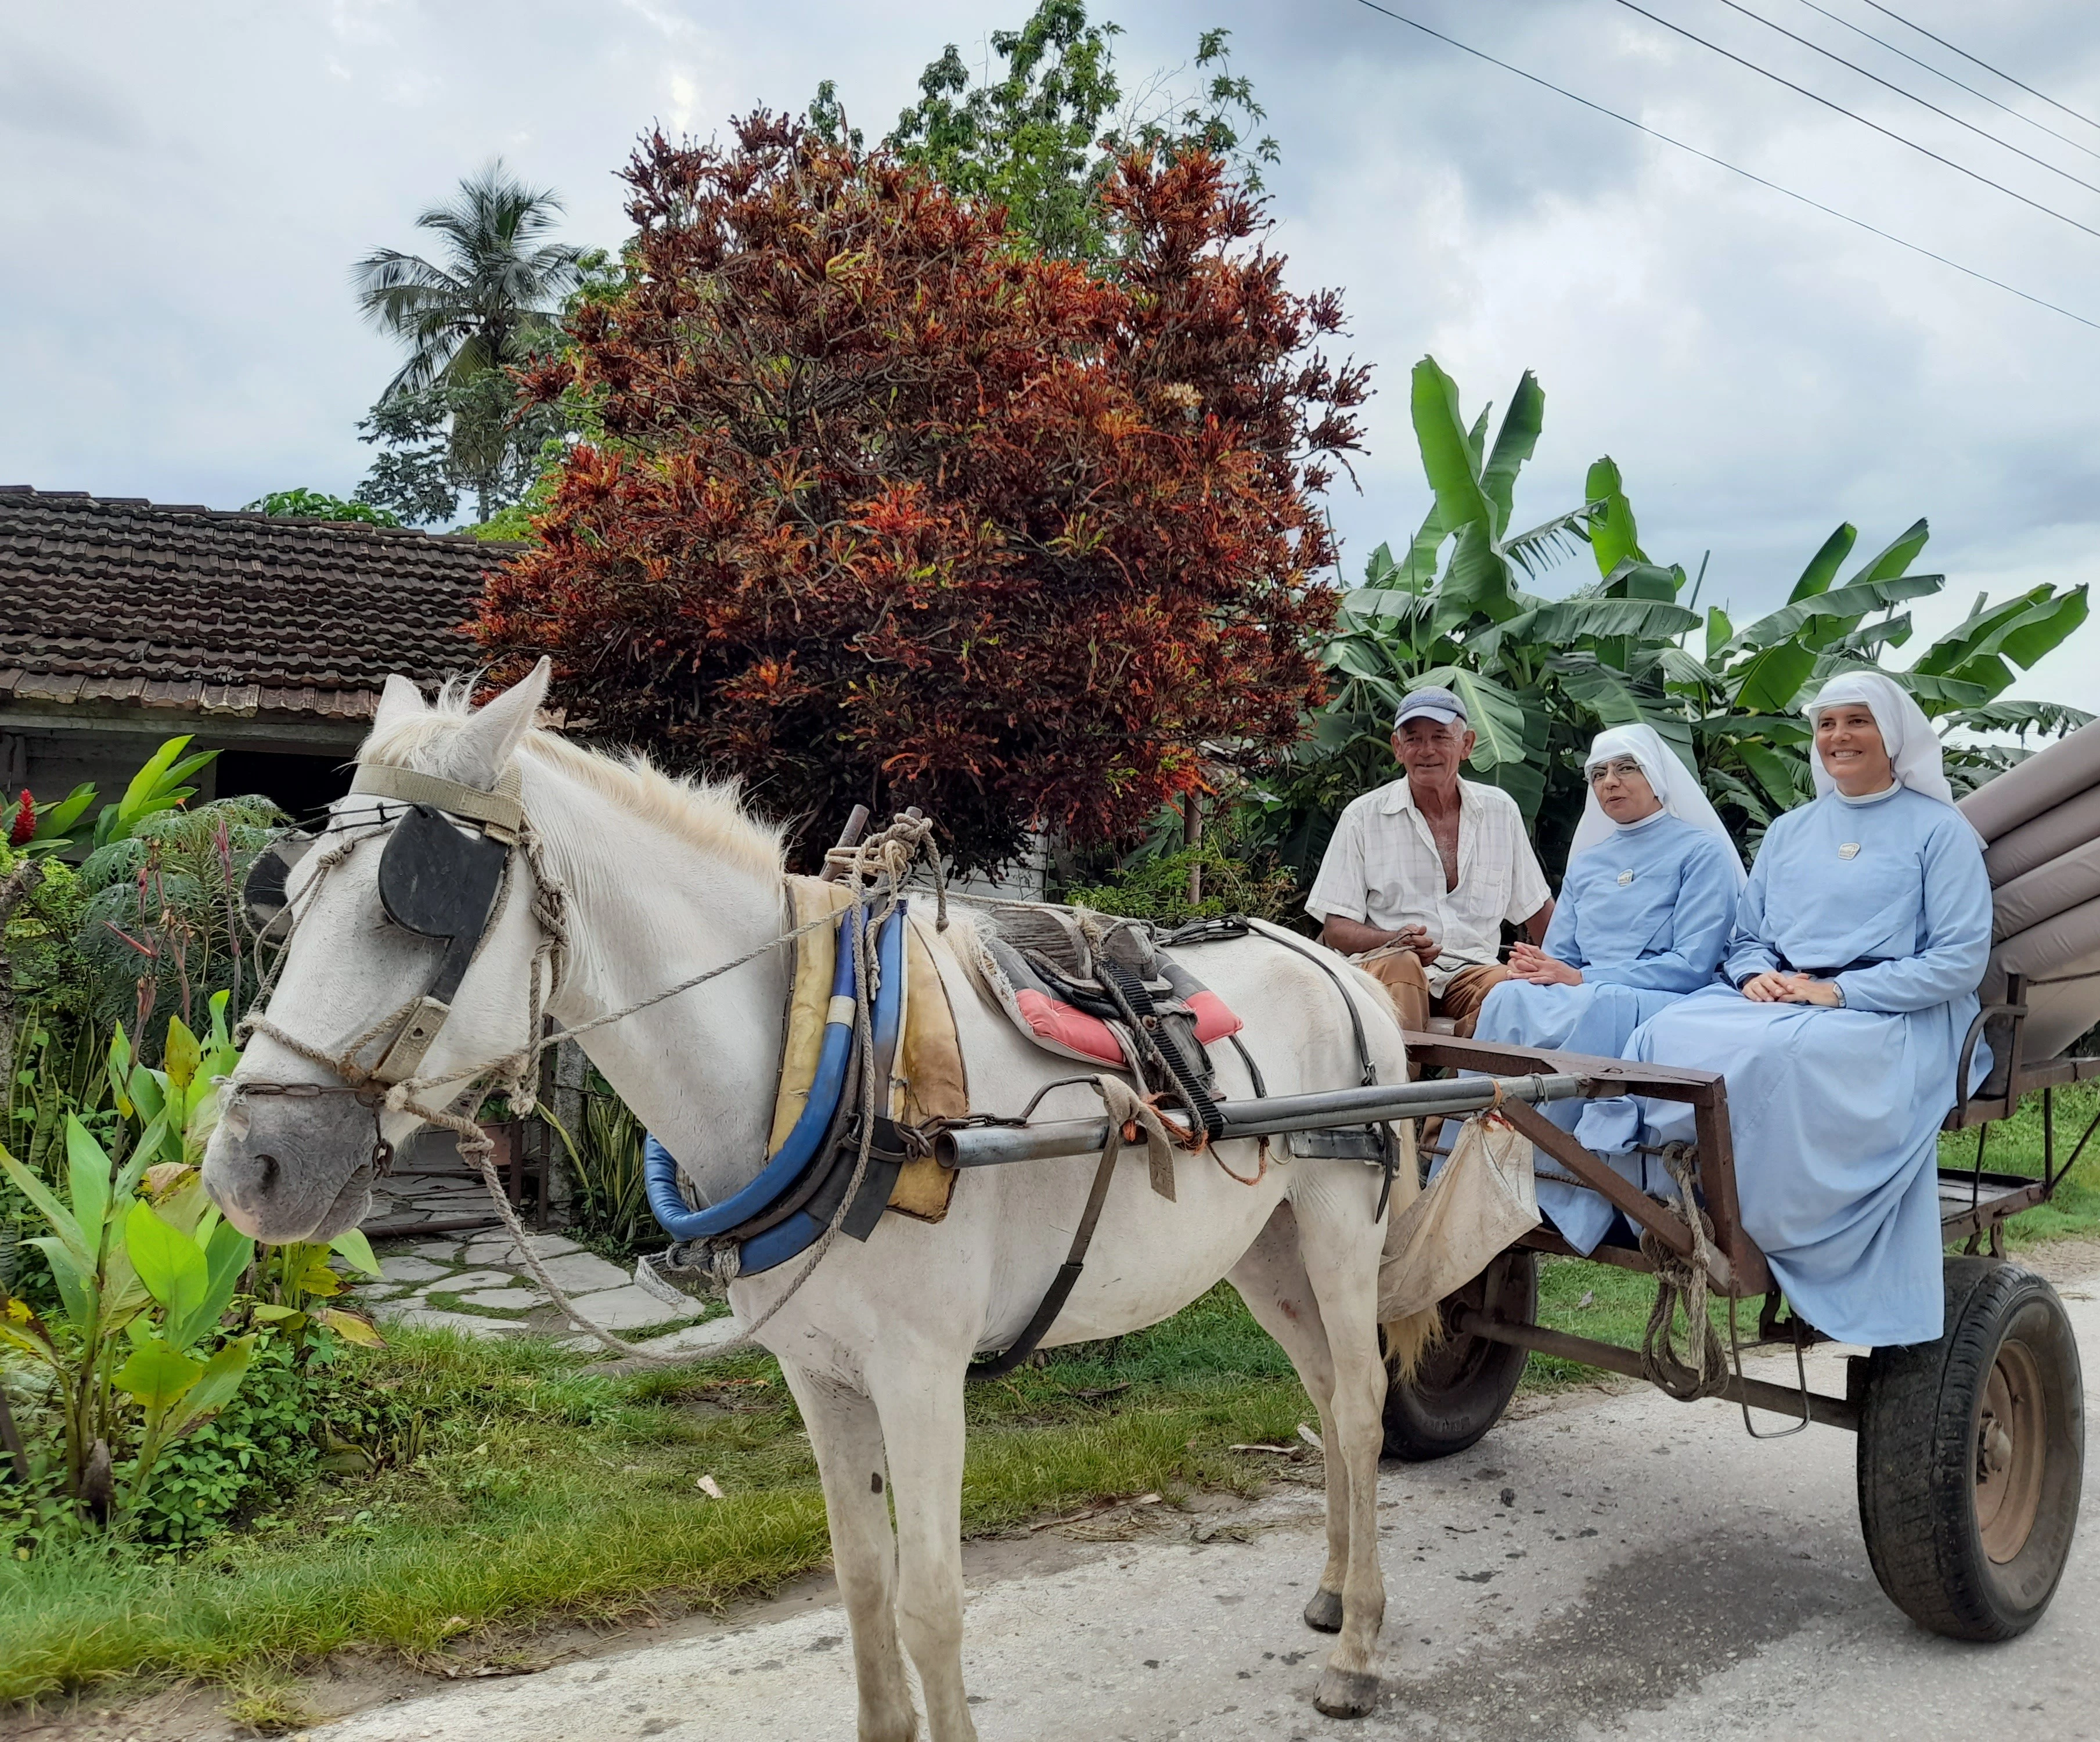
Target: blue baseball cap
(1432, 703)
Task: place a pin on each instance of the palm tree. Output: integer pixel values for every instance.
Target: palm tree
(494, 301)
(498, 296)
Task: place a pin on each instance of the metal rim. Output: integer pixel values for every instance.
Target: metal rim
(2012, 1452)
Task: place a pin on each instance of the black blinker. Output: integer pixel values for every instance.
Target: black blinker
(438, 881)
(263, 891)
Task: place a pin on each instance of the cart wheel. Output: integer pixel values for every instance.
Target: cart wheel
(1972, 1453)
(1464, 1383)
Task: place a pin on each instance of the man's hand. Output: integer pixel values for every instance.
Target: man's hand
(1417, 938)
(1529, 962)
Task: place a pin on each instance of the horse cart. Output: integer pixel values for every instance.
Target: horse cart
(1971, 1449)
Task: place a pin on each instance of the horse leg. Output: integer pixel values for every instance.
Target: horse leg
(922, 1418)
(846, 1434)
(1310, 1281)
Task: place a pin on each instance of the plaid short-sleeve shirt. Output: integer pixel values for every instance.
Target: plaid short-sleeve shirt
(1382, 869)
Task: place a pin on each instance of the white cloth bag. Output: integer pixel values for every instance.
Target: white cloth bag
(1482, 1200)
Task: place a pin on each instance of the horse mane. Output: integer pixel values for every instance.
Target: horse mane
(708, 814)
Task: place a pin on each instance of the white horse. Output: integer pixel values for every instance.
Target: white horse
(665, 878)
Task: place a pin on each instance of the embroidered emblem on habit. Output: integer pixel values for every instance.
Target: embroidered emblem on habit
(1850, 850)
(1626, 876)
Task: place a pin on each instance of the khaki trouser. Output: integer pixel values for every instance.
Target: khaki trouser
(1402, 973)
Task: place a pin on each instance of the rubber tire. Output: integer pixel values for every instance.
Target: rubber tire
(1465, 1382)
(1919, 1423)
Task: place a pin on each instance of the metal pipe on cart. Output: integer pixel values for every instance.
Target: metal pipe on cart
(991, 1145)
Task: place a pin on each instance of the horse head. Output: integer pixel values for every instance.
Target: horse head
(410, 963)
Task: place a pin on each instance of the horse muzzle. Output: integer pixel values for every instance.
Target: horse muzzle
(294, 1161)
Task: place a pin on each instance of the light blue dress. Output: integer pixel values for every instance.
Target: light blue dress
(1835, 1112)
(1646, 915)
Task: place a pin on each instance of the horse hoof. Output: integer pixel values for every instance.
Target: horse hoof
(1346, 1693)
(1323, 1614)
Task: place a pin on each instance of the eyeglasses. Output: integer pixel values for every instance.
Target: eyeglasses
(1621, 768)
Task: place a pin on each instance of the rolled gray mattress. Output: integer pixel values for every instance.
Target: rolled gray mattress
(2047, 779)
(2034, 843)
(2064, 883)
(2060, 959)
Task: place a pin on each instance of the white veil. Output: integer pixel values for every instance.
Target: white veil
(1913, 747)
(1675, 784)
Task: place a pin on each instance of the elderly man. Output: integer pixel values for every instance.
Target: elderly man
(1421, 873)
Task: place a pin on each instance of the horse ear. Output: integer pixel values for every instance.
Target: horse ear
(399, 701)
(485, 745)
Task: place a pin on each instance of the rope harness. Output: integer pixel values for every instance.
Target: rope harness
(875, 869)
(1701, 1370)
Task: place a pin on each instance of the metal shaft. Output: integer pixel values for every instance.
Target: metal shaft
(990, 1146)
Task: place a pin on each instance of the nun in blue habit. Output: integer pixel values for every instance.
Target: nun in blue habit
(1850, 983)
(1643, 917)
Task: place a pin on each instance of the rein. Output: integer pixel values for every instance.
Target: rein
(884, 860)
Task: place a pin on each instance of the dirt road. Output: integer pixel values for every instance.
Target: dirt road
(1600, 1564)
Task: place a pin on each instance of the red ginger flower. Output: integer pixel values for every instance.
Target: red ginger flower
(24, 827)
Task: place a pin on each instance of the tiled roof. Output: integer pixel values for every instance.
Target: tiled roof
(112, 599)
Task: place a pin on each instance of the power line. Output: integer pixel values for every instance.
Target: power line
(1981, 96)
(1734, 6)
(1748, 175)
(1888, 133)
(1985, 65)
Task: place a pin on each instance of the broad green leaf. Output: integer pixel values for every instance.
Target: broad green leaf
(1419, 569)
(1477, 580)
(1476, 438)
(120, 1069)
(1779, 776)
(55, 820)
(1897, 558)
(61, 1218)
(1770, 679)
(1538, 548)
(1936, 695)
(1615, 699)
(1349, 654)
(1682, 670)
(1726, 788)
(351, 1244)
(215, 1386)
(270, 1314)
(222, 1038)
(1823, 566)
(1440, 432)
(1634, 580)
(1850, 601)
(2044, 628)
(351, 1328)
(228, 1255)
(148, 1091)
(1719, 632)
(2051, 717)
(79, 1292)
(1514, 443)
(157, 1375)
(147, 1153)
(170, 1263)
(1613, 535)
(87, 1182)
(179, 1059)
(1559, 623)
(149, 779)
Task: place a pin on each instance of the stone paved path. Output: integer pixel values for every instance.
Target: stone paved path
(476, 1282)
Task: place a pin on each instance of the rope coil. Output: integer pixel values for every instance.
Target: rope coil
(1701, 1370)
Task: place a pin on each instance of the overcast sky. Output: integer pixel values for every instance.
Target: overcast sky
(183, 188)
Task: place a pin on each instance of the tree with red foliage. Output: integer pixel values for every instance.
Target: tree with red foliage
(888, 510)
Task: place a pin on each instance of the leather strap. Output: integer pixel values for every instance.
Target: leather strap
(1068, 1272)
(501, 813)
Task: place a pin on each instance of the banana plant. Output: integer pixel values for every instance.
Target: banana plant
(1540, 675)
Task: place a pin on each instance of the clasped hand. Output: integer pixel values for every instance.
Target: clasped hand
(1417, 938)
(1775, 988)
(1527, 961)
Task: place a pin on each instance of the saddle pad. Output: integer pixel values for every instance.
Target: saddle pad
(1063, 1028)
(927, 1077)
